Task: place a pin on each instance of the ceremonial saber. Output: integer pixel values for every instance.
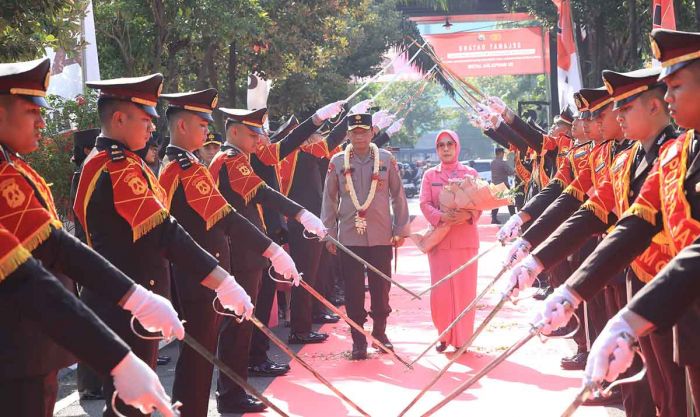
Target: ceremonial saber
(212, 359)
(369, 265)
(352, 323)
(462, 268)
(463, 313)
(276, 340)
(311, 290)
(418, 93)
(590, 388)
(437, 59)
(401, 104)
(396, 76)
(377, 75)
(197, 347)
(462, 349)
(534, 330)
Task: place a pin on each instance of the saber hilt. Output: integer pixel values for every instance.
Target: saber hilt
(223, 368)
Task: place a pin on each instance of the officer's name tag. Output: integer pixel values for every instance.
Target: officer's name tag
(672, 152)
(436, 184)
(600, 166)
(580, 154)
(382, 169)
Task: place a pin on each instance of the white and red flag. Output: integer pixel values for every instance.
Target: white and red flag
(568, 70)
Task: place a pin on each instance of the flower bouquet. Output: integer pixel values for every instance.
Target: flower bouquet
(459, 196)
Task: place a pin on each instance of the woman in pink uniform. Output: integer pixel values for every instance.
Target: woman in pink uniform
(460, 244)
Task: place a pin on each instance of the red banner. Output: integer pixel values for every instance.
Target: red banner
(493, 52)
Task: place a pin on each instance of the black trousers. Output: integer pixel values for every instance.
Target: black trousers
(354, 276)
(324, 280)
(636, 397)
(147, 350)
(260, 344)
(666, 378)
(193, 373)
(234, 341)
(29, 397)
(307, 256)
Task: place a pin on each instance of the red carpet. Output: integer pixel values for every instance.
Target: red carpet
(530, 383)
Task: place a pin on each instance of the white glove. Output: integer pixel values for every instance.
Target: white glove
(553, 311)
(496, 104)
(312, 224)
(138, 386)
(611, 353)
(283, 263)
(330, 110)
(524, 274)
(361, 107)
(382, 119)
(484, 111)
(155, 313)
(395, 127)
(233, 297)
(499, 120)
(517, 251)
(511, 229)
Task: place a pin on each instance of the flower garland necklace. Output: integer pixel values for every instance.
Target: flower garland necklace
(360, 220)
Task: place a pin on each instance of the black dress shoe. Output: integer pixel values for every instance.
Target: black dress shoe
(575, 363)
(563, 331)
(359, 351)
(614, 398)
(91, 395)
(441, 347)
(385, 341)
(326, 318)
(247, 404)
(163, 360)
(306, 338)
(268, 368)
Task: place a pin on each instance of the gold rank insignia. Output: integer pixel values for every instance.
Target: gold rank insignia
(608, 86)
(655, 50)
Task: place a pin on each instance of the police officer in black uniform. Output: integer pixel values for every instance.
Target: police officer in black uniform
(121, 207)
(199, 207)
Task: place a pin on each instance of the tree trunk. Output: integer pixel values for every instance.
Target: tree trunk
(633, 56)
(232, 74)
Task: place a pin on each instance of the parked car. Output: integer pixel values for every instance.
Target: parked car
(482, 166)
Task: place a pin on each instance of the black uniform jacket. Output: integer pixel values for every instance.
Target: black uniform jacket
(245, 258)
(214, 240)
(631, 237)
(146, 259)
(578, 228)
(31, 294)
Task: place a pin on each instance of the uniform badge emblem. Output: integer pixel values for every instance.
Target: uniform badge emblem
(244, 170)
(137, 184)
(12, 193)
(203, 187)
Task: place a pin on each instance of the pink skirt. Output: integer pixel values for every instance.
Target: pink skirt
(449, 299)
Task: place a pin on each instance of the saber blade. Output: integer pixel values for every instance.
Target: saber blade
(226, 370)
(369, 265)
(276, 340)
(462, 268)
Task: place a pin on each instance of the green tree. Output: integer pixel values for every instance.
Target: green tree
(611, 34)
(27, 27)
